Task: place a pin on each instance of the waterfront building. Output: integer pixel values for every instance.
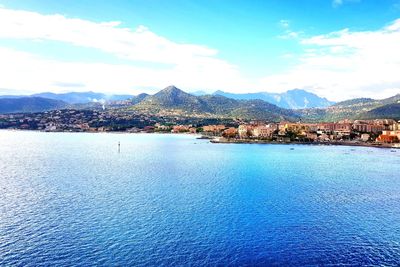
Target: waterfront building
(245, 130)
(342, 128)
(230, 132)
(389, 137)
(180, 128)
(214, 128)
(365, 137)
(367, 126)
(326, 127)
(263, 131)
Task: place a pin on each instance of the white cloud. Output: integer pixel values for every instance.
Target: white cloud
(290, 35)
(338, 3)
(346, 64)
(140, 44)
(25, 71)
(288, 32)
(187, 65)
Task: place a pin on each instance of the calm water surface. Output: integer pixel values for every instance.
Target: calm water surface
(72, 199)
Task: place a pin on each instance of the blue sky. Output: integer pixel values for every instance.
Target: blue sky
(234, 45)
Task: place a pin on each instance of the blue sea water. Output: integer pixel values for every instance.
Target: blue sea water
(71, 199)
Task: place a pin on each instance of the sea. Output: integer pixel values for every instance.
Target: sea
(80, 199)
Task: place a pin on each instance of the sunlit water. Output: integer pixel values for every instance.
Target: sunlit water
(72, 199)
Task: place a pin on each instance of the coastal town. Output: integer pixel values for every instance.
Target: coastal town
(379, 132)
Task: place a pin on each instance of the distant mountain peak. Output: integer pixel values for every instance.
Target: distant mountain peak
(297, 90)
(171, 88)
(291, 99)
(198, 93)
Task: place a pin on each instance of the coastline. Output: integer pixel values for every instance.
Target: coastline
(197, 135)
(337, 143)
(222, 140)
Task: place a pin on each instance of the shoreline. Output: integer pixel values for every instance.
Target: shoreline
(265, 142)
(221, 140)
(198, 135)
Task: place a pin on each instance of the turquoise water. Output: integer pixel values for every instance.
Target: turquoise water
(72, 199)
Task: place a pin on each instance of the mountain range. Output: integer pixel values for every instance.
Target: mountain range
(75, 97)
(84, 97)
(29, 104)
(292, 99)
(173, 101)
(359, 108)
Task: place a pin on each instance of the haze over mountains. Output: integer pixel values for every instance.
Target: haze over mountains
(29, 104)
(172, 100)
(82, 98)
(292, 99)
(75, 97)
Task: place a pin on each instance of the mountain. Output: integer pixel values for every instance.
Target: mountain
(198, 93)
(298, 98)
(29, 104)
(138, 98)
(12, 96)
(390, 111)
(292, 99)
(172, 99)
(359, 108)
(82, 97)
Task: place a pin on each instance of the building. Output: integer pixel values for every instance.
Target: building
(342, 128)
(180, 128)
(365, 126)
(214, 128)
(365, 137)
(245, 131)
(230, 132)
(325, 127)
(299, 128)
(263, 131)
(389, 137)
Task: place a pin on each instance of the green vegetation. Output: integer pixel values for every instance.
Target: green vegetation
(361, 108)
(174, 100)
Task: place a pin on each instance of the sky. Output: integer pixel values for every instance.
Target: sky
(338, 49)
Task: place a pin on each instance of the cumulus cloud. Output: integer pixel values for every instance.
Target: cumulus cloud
(140, 44)
(346, 64)
(191, 65)
(26, 71)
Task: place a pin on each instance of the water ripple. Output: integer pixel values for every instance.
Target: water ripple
(73, 200)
